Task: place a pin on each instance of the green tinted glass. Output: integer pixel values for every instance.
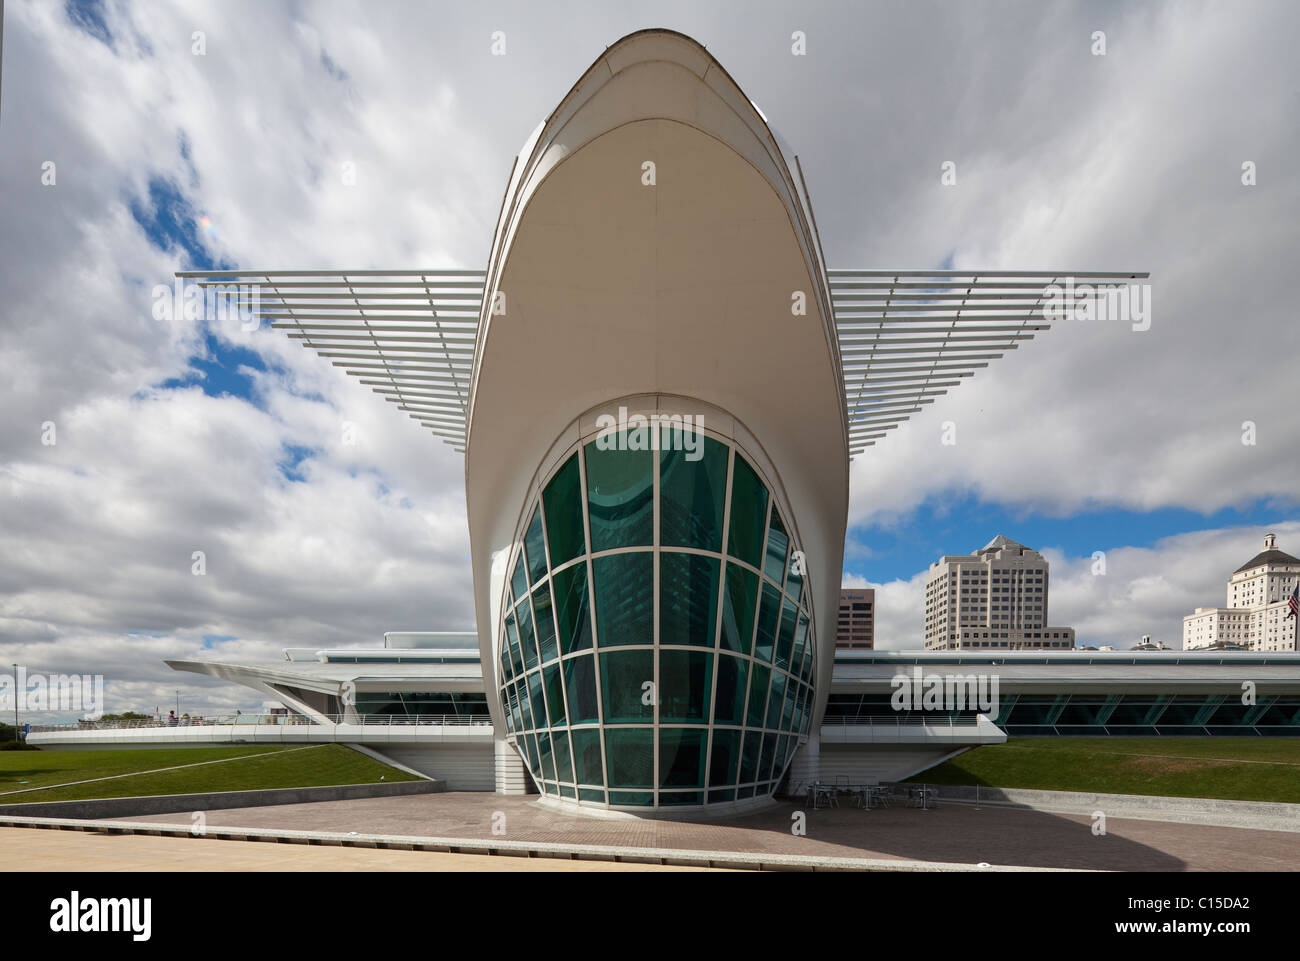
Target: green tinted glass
(571, 608)
(759, 678)
(688, 598)
(787, 708)
(694, 483)
(525, 708)
(563, 758)
(516, 712)
(738, 605)
(785, 636)
(563, 502)
(620, 495)
(586, 755)
(624, 598)
(730, 697)
(554, 695)
(548, 759)
(765, 759)
(800, 642)
(775, 700)
(519, 583)
(535, 697)
(630, 752)
(749, 756)
(778, 544)
(670, 798)
(748, 514)
(725, 757)
(769, 610)
(512, 639)
(685, 682)
(580, 682)
(504, 660)
(681, 757)
(794, 571)
(623, 676)
(510, 648)
(545, 623)
(524, 616)
(640, 798)
(535, 548)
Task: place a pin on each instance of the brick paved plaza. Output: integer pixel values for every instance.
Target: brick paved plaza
(951, 833)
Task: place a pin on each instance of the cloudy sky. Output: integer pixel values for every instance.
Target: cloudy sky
(137, 139)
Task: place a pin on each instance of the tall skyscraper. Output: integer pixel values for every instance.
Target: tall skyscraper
(994, 598)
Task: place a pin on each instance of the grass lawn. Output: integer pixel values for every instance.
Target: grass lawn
(1256, 769)
(242, 768)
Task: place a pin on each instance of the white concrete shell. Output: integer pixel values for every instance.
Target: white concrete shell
(680, 290)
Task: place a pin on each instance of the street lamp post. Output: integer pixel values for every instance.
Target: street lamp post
(15, 703)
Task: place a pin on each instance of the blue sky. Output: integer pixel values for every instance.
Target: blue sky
(960, 524)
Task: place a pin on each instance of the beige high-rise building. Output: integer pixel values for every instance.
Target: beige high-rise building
(994, 598)
(857, 622)
(1257, 616)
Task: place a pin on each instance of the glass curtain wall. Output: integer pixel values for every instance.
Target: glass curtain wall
(658, 647)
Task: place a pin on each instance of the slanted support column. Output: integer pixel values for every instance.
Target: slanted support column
(511, 778)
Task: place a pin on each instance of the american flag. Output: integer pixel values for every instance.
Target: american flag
(1293, 605)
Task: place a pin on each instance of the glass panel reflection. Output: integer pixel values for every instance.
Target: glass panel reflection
(693, 493)
(624, 598)
(688, 598)
(620, 496)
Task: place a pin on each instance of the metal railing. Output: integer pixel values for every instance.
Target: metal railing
(242, 720)
(863, 792)
(903, 720)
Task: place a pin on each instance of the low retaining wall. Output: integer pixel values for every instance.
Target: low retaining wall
(1259, 815)
(214, 800)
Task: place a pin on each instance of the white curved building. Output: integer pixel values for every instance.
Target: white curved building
(650, 248)
(658, 386)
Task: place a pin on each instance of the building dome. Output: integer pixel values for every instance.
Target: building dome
(1268, 556)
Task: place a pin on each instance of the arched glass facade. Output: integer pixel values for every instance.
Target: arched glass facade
(657, 643)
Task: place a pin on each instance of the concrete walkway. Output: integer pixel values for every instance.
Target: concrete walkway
(957, 834)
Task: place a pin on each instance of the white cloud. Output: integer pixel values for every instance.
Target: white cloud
(1128, 161)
